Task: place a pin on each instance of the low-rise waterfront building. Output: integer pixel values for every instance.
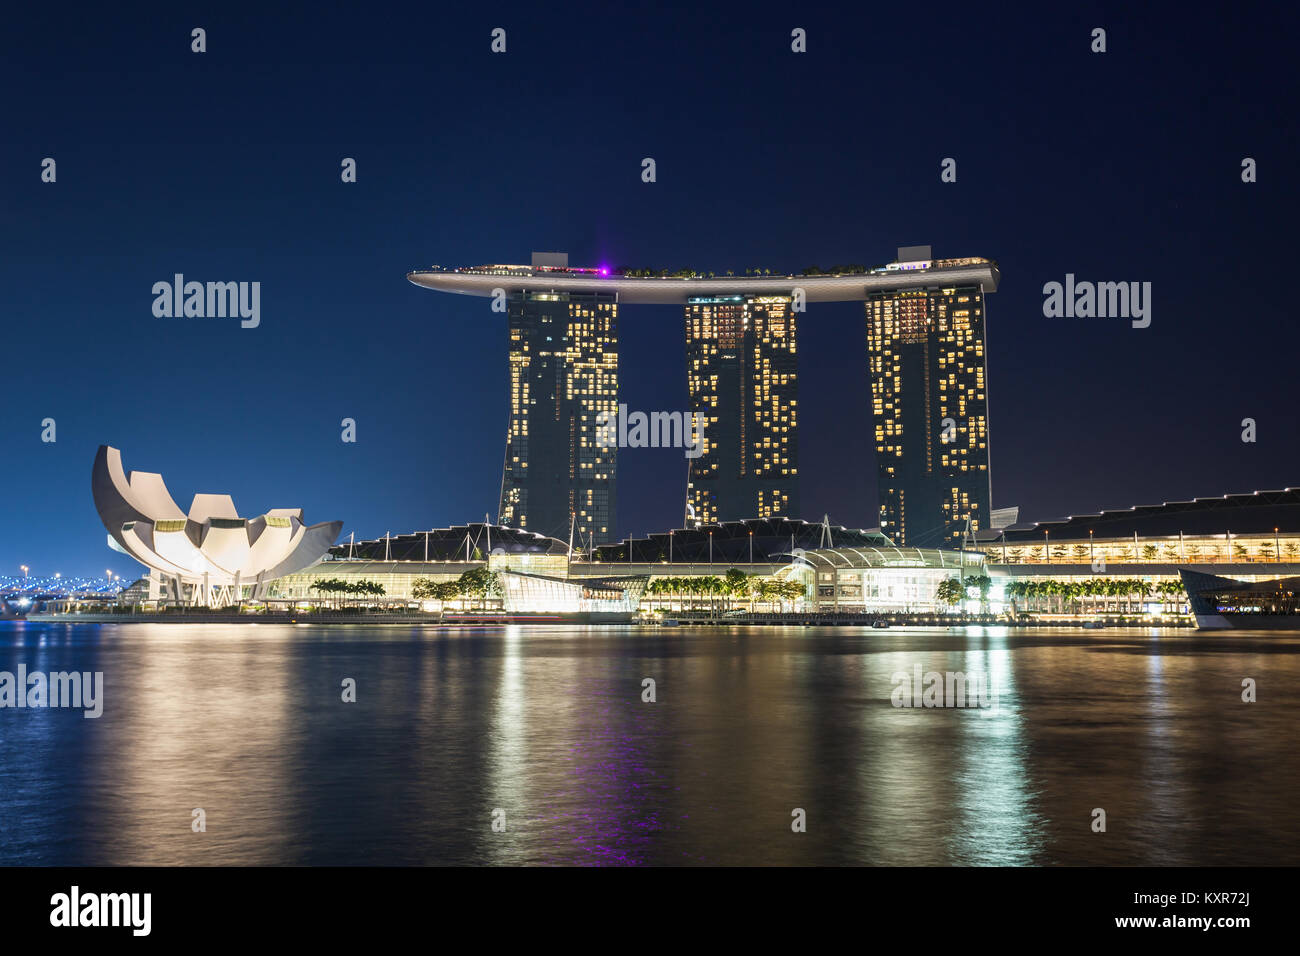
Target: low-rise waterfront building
(1127, 561)
(884, 579)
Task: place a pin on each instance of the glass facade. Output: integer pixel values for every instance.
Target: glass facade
(742, 381)
(531, 593)
(563, 374)
(926, 355)
(887, 580)
(1187, 549)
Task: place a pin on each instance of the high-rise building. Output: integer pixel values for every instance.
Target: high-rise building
(929, 399)
(742, 382)
(563, 374)
(925, 321)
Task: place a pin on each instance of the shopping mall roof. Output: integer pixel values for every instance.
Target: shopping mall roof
(474, 541)
(771, 539)
(889, 557)
(1260, 512)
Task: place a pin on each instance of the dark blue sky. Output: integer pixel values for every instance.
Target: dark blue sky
(225, 166)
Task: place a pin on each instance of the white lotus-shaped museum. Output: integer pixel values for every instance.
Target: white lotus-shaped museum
(211, 547)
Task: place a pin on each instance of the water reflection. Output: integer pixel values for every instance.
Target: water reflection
(548, 726)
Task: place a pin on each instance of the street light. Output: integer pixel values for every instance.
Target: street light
(23, 568)
(751, 547)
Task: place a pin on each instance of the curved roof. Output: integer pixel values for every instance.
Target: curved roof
(731, 541)
(144, 522)
(1258, 513)
(676, 290)
(450, 544)
(887, 557)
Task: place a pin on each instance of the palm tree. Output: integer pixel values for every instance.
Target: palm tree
(737, 584)
(719, 588)
(1069, 593)
(709, 586)
(362, 587)
(1013, 590)
(1176, 592)
(983, 583)
(654, 589)
(699, 587)
(686, 590)
(328, 586)
(1142, 589)
(1122, 590)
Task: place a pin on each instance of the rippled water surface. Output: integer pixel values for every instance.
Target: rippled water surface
(548, 725)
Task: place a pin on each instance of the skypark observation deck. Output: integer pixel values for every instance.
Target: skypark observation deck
(678, 290)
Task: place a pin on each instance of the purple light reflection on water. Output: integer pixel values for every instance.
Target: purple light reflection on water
(548, 725)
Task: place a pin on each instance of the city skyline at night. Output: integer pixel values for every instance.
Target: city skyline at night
(735, 435)
(1076, 400)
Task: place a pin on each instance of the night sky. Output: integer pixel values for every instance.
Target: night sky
(1123, 166)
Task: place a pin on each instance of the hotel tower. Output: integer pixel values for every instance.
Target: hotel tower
(563, 360)
(929, 403)
(742, 382)
(926, 362)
